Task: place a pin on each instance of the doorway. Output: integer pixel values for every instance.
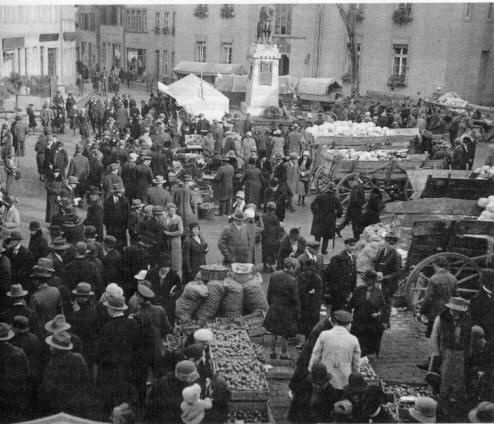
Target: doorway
(52, 62)
(284, 65)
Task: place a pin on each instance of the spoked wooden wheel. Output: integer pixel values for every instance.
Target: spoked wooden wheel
(322, 180)
(466, 271)
(344, 188)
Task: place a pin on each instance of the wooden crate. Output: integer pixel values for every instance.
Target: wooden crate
(262, 406)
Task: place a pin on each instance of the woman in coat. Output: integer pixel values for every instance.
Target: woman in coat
(54, 188)
(368, 306)
(185, 201)
(194, 252)
(252, 181)
(325, 208)
(255, 229)
(174, 229)
(272, 235)
(302, 189)
(41, 148)
(310, 294)
(284, 306)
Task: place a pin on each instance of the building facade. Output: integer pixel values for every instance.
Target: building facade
(38, 40)
(434, 45)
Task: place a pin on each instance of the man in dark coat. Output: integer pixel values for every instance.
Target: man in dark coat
(143, 178)
(81, 270)
(340, 277)
(233, 241)
(128, 176)
(18, 307)
(116, 216)
(38, 244)
(311, 258)
(287, 248)
(15, 378)
(21, 259)
(58, 158)
(310, 292)
(117, 350)
(271, 237)
(275, 193)
(354, 209)
(284, 306)
(94, 216)
(65, 383)
(157, 195)
(388, 267)
(224, 186)
(112, 262)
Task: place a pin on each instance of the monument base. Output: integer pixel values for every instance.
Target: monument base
(253, 110)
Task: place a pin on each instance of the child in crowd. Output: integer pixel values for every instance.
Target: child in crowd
(193, 407)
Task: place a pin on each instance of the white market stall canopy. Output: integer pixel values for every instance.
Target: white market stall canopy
(197, 96)
(207, 68)
(62, 418)
(317, 86)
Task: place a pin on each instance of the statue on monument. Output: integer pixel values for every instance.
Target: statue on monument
(265, 25)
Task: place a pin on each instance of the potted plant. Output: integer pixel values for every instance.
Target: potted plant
(201, 11)
(402, 15)
(397, 81)
(227, 11)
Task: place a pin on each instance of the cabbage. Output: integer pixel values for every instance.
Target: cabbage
(482, 202)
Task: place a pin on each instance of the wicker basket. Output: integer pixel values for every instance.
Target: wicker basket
(213, 272)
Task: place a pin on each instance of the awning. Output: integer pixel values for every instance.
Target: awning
(48, 37)
(12, 43)
(207, 69)
(69, 36)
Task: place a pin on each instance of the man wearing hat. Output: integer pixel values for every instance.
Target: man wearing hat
(65, 383)
(441, 287)
(294, 140)
(311, 254)
(326, 209)
(112, 261)
(17, 306)
(224, 186)
(80, 269)
(58, 247)
(157, 195)
(338, 350)
(353, 212)
(94, 215)
(233, 242)
(143, 177)
(136, 216)
(128, 175)
(117, 354)
(388, 267)
(248, 146)
(341, 276)
(14, 375)
(38, 244)
(79, 168)
(111, 179)
(90, 238)
(275, 193)
(116, 215)
(30, 344)
(58, 158)
(21, 259)
(277, 143)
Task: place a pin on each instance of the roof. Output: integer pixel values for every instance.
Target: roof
(62, 418)
(206, 68)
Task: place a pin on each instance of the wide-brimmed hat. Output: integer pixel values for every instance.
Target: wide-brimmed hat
(116, 302)
(94, 190)
(20, 324)
(57, 324)
(144, 290)
(110, 241)
(45, 264)
(60, 340)
(424, 410)
(16, 290)
(15, 235)
(483, 413)
(342, 317)
(72, 180)
(457, 304)
(6, 332)
(238, 216)
(159, 180)
(60, 243)
(34, 226)
(306, 153)
(277, 132)
(83, 289)
(158, 210)
(90, 231)
(81, 249)
(391, 237)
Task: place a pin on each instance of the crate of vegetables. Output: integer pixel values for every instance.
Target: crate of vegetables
(249, 413)
(405, 393)
(367, 371)
(232, 343)
(255, 323)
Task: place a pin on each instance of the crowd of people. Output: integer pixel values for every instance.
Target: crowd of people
(85, 311)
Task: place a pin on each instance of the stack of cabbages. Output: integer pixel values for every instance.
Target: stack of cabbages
(347, 129)
(486, 203)
(375, 155)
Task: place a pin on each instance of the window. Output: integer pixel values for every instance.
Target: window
(109, 15)
(468, 10)
(348, 59)
(400, 59)
(157, 20)
(173, 60)
(166, 20)
(165, 62)
(489, 10)
(136, 20)
(226, 52)
(92, 22)
(407, 6)
(200, 51)
(283, 24)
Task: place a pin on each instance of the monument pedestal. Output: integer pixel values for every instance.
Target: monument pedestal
(263, 82)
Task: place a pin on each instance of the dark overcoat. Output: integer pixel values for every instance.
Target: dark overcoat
(194, 255)
(21, 265)
(310, 295)
(80, 270)
(38, 245)
(271, 237)
(325, 209)
(143, 180)
(284, 305)
(252, 181)
(233, 244)
(116, 217)
(224, 182)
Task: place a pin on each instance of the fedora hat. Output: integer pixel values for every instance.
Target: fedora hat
(60, 244)
(83, 289)
(116, 302)
(457, 304)
(80, 249)
(94, 190)
(159, 180)
(136, 203)
(20, 324)
(60, 341)
(424, 410)
(158, 210)
(5, 332)
(15, 235)
(57, 324)
(45, 264)
(483, 413)
(16, 290)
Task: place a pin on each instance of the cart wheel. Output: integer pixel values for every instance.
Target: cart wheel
(466, 271)
(344, 188)
(321, 180)
(315, 106)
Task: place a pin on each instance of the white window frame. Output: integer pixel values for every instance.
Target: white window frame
(157, 20)
(403, 62)
(283, 19)
(226, 52)
(201, 51)
(166, 19)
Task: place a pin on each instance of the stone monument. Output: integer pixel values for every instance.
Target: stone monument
(264, 57)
